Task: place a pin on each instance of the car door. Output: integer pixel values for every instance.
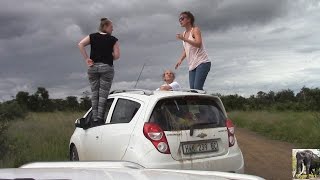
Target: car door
(116, 134)
(92, 137)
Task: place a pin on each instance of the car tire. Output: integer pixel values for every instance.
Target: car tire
(74, 154)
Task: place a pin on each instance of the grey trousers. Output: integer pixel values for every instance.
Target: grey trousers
(100, 78)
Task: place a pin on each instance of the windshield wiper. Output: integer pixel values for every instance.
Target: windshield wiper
(200, 126)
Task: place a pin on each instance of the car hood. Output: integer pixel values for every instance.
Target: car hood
(117, 174)
(111, 171)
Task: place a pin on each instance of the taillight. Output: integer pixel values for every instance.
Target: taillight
(155, 134)
(230, 128)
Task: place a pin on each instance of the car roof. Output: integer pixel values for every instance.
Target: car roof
(142, 93)
(155, 96)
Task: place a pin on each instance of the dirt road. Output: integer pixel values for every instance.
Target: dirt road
(263, 157)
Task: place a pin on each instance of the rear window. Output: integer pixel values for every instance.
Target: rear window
(182, 113)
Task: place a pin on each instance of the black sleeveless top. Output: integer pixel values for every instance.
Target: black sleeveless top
(102, 48)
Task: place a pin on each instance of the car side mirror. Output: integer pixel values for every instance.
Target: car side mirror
(80, 123)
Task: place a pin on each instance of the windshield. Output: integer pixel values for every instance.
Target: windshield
(182, 113)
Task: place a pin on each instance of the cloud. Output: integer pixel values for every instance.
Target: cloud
(229, 14)
(308, 49)
(253, 45)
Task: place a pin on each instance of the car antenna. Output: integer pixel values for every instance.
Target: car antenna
(139, 75)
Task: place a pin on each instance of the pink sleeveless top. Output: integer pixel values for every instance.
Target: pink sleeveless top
(195, 56)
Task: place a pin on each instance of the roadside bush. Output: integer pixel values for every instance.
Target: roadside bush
(40, 136)
(8, 111)
(11, 110)
(3, 138)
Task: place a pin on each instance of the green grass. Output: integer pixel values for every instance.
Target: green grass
(39, 137)
(299, 128)
(45, 136)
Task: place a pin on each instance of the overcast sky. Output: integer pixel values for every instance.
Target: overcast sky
(253, 44)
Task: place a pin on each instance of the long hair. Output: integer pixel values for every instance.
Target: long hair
(189, 15)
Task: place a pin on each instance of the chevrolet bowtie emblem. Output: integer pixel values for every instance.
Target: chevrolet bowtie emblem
(201, 135)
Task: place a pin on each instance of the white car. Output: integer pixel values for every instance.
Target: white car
(111, 171)
(161, 129)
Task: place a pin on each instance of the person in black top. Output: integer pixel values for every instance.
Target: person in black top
(104, 50)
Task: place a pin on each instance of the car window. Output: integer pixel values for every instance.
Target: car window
(183, 112)
(89, 117)
(124, 111)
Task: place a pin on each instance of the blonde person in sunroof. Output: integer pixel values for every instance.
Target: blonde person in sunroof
(170, 85)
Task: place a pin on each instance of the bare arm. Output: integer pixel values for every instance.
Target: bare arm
(197, 38)
(116, 51)
(82, 44)
(165, 88)
(183, 56)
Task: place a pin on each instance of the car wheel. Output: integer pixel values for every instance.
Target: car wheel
(74, 154)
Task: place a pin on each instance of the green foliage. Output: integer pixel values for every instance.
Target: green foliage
(3, 138)
(22, 98)
(41, 136)
(59, 104)
(40, 102)
(306, 100)
(85, 103)
(300, 128)
(72, 103)
(286, 95)
(10, 110)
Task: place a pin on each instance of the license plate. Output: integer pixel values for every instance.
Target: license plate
(200, 147)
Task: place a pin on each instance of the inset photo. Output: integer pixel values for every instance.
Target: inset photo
(306, 163)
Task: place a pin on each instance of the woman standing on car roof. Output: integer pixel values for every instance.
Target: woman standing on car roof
(104, 50)
(194, 51)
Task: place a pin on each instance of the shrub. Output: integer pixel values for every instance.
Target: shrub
(3, 138)
(11, 110)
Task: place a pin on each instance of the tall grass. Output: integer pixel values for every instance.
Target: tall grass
(45, 136)
(39, 137)
(300, 128)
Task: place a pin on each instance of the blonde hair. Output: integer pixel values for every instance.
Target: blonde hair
(104, 22)
(164, 73)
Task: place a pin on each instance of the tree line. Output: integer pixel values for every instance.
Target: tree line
(307, 99)
(40, 102)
